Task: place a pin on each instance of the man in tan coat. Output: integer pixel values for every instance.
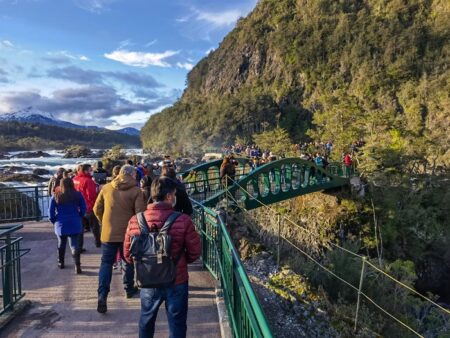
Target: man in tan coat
(117, 202)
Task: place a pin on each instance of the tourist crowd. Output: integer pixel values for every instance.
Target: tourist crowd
(117, 208)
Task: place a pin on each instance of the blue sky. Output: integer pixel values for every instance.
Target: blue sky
(109, 63)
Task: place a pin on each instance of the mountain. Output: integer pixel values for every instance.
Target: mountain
(29, 129)
(32, 115)
(129, 131)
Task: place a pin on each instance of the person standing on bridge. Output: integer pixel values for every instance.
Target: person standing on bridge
(67, 207)
(185, 249)
(227, 172)
(117, 202)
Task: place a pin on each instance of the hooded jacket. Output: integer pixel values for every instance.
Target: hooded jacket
(117, 202)
(185, 239)
(86, 185)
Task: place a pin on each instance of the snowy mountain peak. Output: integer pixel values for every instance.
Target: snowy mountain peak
(28, 114)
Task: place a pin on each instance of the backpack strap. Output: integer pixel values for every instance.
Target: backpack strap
(166, 227)
(169, 221)
(142, 222)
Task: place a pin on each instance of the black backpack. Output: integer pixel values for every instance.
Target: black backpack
(151, 251)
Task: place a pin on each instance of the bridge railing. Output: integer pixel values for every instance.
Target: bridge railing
(221, 258)
(10, 267)
(23, 203)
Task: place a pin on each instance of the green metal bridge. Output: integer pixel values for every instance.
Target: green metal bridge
(273, 182)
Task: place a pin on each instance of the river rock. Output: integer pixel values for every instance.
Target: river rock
(4, 156)
(13, 169)
(41, 172)
(78, 152)
(32, 154)
(8, 177)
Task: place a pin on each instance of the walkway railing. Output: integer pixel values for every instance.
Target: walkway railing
(10, 254)
(23, 203)
(222, 260)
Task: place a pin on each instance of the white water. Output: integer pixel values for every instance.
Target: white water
(49, 163)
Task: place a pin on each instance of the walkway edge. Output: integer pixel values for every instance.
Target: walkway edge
(224, 322)
(7, 317)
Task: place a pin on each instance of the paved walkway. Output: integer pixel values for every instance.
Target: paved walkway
(64, 304)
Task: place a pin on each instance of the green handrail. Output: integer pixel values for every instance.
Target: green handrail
(245, 313)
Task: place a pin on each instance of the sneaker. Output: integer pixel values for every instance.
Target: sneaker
(83, 250)
(132, 292)
(101, 306)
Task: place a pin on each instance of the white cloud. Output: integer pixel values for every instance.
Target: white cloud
(6, 44)
(84, 58)
(209, 51)
(94, 6)
(141, 59)
(151, 43)
(185, 65)
(219, 19)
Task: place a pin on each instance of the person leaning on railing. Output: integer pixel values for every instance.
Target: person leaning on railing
(67, 207)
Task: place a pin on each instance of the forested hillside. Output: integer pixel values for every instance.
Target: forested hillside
(337, 69)
(31, 136)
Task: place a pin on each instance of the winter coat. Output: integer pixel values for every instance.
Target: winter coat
(66, 217)
(228, 170)
(183, 204)
(86, 185)
(100, 175)
(52, 185)
(348, 160)
(116, 203)
(184, 237)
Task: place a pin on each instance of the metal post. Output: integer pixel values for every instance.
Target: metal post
(279, 240)
(7, 283)
(226, 193)
(36, 201)
(363, 268)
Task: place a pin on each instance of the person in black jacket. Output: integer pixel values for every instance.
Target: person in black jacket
(183, 203)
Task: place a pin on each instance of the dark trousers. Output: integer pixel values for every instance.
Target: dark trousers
(109, 251)
(73, 243)
(176, 302)
(90, 222)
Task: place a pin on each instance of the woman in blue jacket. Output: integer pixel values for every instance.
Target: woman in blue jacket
(67, 207)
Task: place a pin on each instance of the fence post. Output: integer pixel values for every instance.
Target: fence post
(279, 240)
(36, 202)
(363, 268)
(226, 192)
(7, 282)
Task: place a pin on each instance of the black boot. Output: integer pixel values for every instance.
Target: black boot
(76, 259)
(61, 258)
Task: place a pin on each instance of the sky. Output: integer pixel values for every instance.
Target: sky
(108, 63)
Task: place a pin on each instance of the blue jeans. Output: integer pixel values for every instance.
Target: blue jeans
(109, 252)
(73, 242)
(176, 299)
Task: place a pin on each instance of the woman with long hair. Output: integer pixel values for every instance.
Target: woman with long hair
(67, 207)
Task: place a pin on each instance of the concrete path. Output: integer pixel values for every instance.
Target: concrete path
(64, 304)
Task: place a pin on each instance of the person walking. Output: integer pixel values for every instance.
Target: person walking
(67, 207)
(183, 203)
(85, 184)
(227, 172)
(117, 202)
(54, 181)
(185, 249)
